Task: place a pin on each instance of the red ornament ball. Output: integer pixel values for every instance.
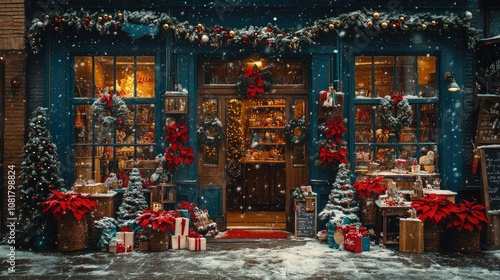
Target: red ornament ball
(130, 210)
(86, 21)
(217, 29)
(283, 33)
(344, 187)
(245, 38)
(269, 29)
(226, 36)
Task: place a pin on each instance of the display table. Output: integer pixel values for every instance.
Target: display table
(449, 194)
(404, 181)
(383, 213)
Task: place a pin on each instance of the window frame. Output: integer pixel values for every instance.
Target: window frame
(415, 102)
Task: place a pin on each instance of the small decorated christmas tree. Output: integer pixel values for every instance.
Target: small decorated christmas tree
(39, 175)
(133, 200)
(342, 198)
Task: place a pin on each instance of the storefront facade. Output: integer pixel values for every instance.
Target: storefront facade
(167, 71)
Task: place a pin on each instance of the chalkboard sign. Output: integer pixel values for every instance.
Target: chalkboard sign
(490, 169)
(305, 219)
(488, 121)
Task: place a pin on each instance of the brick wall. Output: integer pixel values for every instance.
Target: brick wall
(13, 53)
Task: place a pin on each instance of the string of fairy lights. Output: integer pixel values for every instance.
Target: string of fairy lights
(235, 144)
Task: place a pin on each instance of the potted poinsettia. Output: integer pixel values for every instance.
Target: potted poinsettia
(368, 191)
(159, 224)
(466, 223)
(70, 210)
(433, 210)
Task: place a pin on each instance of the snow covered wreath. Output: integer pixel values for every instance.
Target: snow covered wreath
(386, 110)
(211, 133)
(296, 132)
(110, 111)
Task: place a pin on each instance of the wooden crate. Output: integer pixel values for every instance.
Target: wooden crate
(411, 236)
(105, 205)
(493, 232)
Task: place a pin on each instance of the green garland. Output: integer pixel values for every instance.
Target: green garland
(211, 133)
(296, 132)
(386, 110)
(115, 106)
(150, 23)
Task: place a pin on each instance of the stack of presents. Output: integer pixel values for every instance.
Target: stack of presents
(340, 234)
(186, 234)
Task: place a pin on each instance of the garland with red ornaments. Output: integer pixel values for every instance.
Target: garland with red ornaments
(254, 82)
(386, 110)
(72, 22)
(110, 111)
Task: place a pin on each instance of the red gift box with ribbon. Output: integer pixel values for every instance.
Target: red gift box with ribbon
(121, 248)
(353, 242)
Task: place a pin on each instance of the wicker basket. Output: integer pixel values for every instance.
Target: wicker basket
(466, 241)
(158, 241)
(368, 211)
(432, 237)
(71, 234)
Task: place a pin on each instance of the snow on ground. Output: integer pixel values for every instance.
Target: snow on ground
(308, 259)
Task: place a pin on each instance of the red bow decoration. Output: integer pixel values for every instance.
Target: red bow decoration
(396, 98)
(108, 99)
(188, 206)
(193, 234)
(125, 229)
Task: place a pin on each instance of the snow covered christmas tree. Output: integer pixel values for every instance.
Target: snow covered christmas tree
(133, 200)
(342, 198)
(39, 175)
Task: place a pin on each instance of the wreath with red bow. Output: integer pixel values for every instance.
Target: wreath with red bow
(386, 110)
(110, 111)
(254, 82)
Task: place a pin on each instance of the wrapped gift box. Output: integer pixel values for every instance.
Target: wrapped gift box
(353, 242)
(181, 226)
(411, 235)
(112, 246)
(179, 242)
(197, 244)
(125, 237)
(365, 243)
(122, 248)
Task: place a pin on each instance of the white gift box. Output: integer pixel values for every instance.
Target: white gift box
(197, 243)
(181, 226)
(126, 237)
(179, 242)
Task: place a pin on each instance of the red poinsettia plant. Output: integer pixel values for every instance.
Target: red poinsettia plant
(176, 154)
(331, 156)
(160, 220)
(60, 204)
(334, 129)
(254, 82)
(434, 208)
(370, 187)
(469, 215)
(176, 131)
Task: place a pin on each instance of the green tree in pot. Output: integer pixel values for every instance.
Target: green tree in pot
(466, 224)
(434, 210)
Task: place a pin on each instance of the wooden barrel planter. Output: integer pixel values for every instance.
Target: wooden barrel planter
(432, 237)
(466, 241)
(158, 241)
(72, 235)
(368, 211)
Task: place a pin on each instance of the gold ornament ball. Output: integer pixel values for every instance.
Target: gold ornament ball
(56, 28)
(424, 26)
(199, 26)
(166, 26)
(99, 19)
(405, 26)
(370, 24)
(232, 33)
(376, 15)
(401, 18)
(394, 25)
(331, 26)
(47, 16)
(384, 24)
(433, 22)
(120, 15)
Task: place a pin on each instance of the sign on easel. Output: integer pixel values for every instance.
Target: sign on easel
(305, 217)
(490, 185)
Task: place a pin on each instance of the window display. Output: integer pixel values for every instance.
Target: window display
(100, 152)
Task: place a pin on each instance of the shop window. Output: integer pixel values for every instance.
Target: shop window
(379, 76)
(98, 152)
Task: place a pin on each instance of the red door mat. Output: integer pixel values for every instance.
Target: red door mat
(253, 234)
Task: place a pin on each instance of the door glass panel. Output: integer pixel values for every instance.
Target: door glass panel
(145, 77)
(427, 76)
(83, 76)
(406, 74)
(384, 75)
